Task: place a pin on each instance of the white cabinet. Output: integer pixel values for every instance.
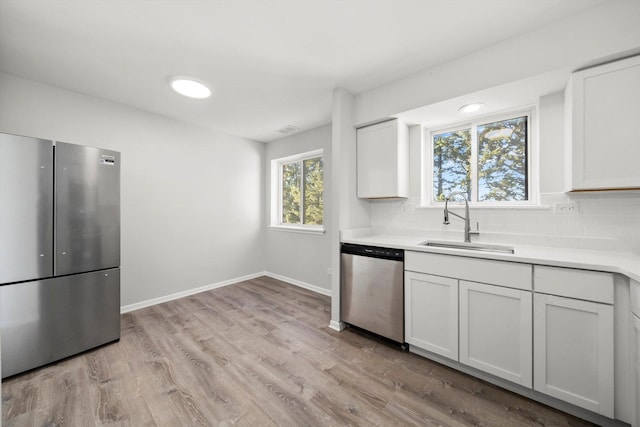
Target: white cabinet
(383, 160)
(635, 346)
(507, 274)
(496, 331)
(574, 337)
(636, 365)
(603, 144)
(573, 344)
(431, 313)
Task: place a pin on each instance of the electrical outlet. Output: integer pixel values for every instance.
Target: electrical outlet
(565, 207)
(329, 272)
(408, 207)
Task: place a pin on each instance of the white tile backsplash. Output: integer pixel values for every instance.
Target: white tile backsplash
(604, 221)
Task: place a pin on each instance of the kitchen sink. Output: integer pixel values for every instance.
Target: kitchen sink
(470, 246)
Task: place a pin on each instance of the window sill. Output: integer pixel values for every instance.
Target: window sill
(505, 207)
(294, 229)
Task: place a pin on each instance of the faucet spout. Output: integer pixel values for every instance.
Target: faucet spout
(465, 218)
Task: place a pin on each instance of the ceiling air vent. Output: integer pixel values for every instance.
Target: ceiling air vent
(288, 129)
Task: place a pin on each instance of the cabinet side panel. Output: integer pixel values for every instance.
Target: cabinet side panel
(636, 364)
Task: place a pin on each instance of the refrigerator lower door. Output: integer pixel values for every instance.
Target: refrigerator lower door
(87, 207)
(26, 208)
(48, 320)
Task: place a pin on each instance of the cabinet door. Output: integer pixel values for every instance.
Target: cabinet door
(605, 145)
(573, 358)
(496, 331)
(382, 160)
(431, 313)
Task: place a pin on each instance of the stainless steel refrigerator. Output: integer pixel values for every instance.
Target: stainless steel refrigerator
(59, 250)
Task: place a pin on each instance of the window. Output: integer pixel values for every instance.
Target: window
(298, 192)
(488, 160)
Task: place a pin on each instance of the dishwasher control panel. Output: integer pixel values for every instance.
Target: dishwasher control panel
(373, 251)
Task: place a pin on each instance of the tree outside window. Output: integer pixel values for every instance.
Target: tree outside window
(488, 161)
(302, 190)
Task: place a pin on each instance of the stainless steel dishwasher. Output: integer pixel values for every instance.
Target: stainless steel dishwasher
(372, 289)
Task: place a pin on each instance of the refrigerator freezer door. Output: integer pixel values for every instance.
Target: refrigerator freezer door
(26, 208)
(48, 320)
(87, 203)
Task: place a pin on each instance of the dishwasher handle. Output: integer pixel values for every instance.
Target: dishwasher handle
(373, 251)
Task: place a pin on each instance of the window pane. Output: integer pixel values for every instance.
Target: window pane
(502, 160)
(291, 193)
(451, 163)
(313, 191)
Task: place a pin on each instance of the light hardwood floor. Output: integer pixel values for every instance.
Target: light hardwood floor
(256, 353)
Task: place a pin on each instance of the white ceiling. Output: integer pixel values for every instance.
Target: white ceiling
(271, 63)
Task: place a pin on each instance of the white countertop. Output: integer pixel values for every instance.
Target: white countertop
(627, 264)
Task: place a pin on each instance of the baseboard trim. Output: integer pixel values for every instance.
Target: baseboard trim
(300, 284)
(182, 294)
(336, 325)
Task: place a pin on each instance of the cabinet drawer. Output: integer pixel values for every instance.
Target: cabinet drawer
(568, 282)
(510, 274)
(635, 297)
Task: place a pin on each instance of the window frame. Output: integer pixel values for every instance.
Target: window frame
(473, 123)
(277, 193)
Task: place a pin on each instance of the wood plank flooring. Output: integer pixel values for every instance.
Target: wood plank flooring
(256, 353)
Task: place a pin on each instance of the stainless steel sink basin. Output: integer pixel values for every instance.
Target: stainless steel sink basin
(470, 246)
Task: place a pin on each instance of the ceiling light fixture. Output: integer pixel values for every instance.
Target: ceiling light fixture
(190, 87)
(288, 129)
(470, 108)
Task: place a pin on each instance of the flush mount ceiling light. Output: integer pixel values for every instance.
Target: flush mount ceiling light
(288, 129)
(190, 87)
(470, 108)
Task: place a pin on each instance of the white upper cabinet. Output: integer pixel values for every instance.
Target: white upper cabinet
(602, 110)
(383, 160)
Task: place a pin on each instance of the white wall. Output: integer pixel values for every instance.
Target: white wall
(581, 40)
(302, 257)
(605, 221)
(191, 198)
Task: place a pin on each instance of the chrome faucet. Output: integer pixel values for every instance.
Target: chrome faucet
(466, 219)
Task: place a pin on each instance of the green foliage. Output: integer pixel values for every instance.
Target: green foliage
(291, 193)
(303, 181)
(502, 160)
(313, 191)
(451, 163)
(501, 163)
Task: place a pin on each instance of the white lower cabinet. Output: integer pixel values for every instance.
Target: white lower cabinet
(573, 345)
(431, 313)
(496, 331)
(636, 365)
